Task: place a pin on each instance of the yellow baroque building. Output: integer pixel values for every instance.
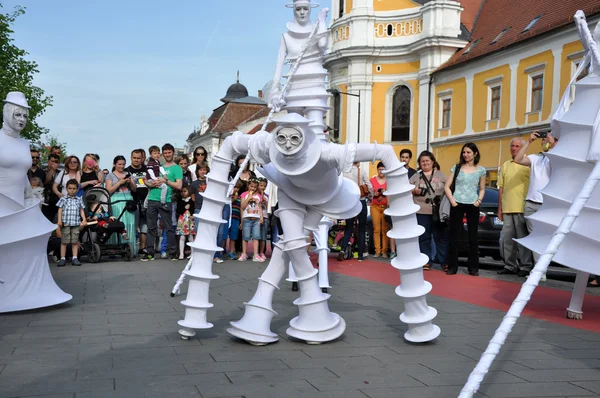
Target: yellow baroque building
(437, 74)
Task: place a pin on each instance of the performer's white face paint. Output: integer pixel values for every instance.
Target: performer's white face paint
(302, 13)
(289, 141)
(15, 116)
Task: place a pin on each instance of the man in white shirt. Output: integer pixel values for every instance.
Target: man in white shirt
(538, 178)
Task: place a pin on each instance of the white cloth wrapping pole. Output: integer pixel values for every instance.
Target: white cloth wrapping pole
(323, 251)
(513, 314)
(176, 288)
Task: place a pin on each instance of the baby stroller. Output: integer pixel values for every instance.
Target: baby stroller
(94, 238)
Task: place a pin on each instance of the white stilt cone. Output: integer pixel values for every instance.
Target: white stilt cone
(291, 274)
(409, 259)
(255, 325)
(314, 323)
(203, 249)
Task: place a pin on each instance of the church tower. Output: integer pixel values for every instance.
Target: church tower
(382, 53)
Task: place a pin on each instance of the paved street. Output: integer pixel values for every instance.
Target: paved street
(118, 338)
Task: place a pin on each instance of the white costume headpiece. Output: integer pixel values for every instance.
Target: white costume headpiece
(17, 98)
(301, 2)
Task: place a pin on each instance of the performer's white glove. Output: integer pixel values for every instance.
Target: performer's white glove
(277, 102)
(323, 16)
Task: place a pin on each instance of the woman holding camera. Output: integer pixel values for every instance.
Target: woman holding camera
(429, 184)
(120, 185)
(378, 205)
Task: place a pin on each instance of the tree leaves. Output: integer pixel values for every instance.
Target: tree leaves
(17, 73)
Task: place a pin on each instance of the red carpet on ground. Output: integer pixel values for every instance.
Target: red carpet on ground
(547, 304)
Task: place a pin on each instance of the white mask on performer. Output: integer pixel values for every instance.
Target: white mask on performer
(289, 140)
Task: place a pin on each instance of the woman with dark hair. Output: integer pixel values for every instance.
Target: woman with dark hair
(246, 175)
(429, 185)
(465, 190)
(200, 155)
(120, 184)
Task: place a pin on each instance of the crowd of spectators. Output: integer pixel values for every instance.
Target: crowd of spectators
(165, 191)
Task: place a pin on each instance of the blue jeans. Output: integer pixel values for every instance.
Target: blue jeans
(436, 233)
(223, 230)
(251, 229)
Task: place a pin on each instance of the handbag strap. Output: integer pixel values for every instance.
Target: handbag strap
(456, 173)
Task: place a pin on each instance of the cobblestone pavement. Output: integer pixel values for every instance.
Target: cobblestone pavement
(118, 338)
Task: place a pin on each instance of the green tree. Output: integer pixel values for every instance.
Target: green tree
(46, 143)
(17, 73)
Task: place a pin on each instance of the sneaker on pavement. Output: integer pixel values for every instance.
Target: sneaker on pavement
(232, 256)
(163, 255)
(75, 262)
(147, 257)
(173, 257)
(218, 260)
(262, 255)
(376, 255)
(392, 255)
(243, 257)
(61, 263)
(258, 259)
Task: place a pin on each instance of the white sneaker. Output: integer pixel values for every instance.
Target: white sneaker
(163, 255)
(218, 260)
(257, 259)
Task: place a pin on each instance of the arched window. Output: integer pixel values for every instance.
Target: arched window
(401, 114)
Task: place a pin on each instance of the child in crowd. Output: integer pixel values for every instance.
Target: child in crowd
(234, 228)
(183, 162)
(185, 220)
(264, 201)
(98, 213)
(199, 185)
(71, 216)
(252, 218)
(155, 171)
(37, 189)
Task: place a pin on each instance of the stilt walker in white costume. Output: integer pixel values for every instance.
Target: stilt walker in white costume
(24, 230)
(308, 172)
(565, 228)
(307, 96)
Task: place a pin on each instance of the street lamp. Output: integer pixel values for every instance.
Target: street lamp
(335, 91)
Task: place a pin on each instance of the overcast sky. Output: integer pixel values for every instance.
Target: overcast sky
(134, 73)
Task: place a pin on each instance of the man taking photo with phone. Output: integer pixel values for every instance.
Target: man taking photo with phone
(538, 178)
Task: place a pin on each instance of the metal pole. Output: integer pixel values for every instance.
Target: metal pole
(358, 138)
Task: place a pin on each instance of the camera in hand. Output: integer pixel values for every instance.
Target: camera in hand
(128, 175)
(543, 134)
(424, 191)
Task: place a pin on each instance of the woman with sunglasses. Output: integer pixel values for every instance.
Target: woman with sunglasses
(72, 171)
(199, 157)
